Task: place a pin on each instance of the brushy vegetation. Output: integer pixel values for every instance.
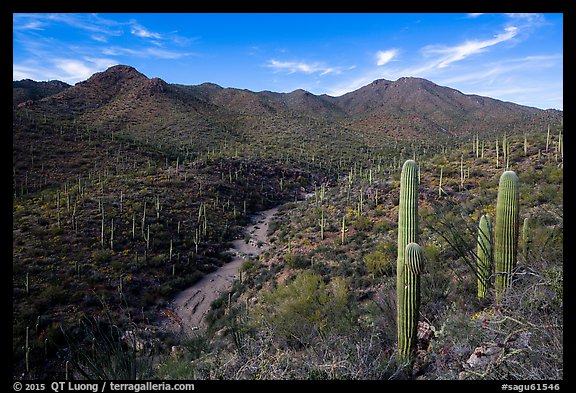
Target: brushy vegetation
(289, 323)
(126, 220)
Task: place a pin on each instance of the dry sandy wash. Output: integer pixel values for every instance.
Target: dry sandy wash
(188, 309)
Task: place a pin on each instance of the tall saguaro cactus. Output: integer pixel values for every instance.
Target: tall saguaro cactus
(407, 233)
(484, 255)
(506, 231)
(408, 314)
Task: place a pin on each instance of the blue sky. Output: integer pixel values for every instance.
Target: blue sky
(512, 57)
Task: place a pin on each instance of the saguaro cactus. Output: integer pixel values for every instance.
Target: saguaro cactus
(322, 223)
(506, 231)
(408, 314)
(526, 240)
(407, 233)
(440, 189)
(484, 255)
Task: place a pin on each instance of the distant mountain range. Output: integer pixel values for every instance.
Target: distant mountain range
(408, 108)
(28, 89)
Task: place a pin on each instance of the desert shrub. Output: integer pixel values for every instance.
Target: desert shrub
(248, 265)
(363, 223)
(382, 261)
(358, 239)
(384, 226)
(527, 329)
(287, 206)
(157, 260)
(54, 293)
(273, 225)
(195, 345)
(102, 256)
(119, 355)
(306, 307)
(435, 283)
(326, 252)
(254, 354)
(296, 261)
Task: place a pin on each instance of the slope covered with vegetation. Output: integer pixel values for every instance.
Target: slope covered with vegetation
(322, 302)
(127, 190)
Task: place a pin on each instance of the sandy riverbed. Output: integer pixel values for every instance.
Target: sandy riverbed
(191, 305)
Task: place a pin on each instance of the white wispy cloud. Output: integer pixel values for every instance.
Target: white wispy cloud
(89, 22)
(157, 38)
(491, 71)
(307, 68)
(99, 37)
(21, 71)
(64, 69)
(32, 25)
(142, 32)
(438, 57)
(541, 95)
(512, 15)
(100, 28)
(148, 52)
(523, 15)
(446, 65)
(385, 56)
(452, 54)
(44, 56)
(75, 70)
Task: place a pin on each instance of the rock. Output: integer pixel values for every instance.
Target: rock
(488, 353)
(424, 335)
(483, 356)
(520, 340)
(25, 104)
(175, 350)
(133, 340)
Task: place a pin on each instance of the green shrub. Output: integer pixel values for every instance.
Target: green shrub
(296, 261)
(306, 307)
(102, 256)
(381, 261)
(248, 265)
(54, 293)
(363, 224)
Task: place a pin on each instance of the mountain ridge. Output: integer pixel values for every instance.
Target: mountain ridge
(407, 108)
(28, 90)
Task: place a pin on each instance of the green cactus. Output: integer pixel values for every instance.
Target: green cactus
(506, 231)
(407, 233)
(408, 210)
(440, 189)
(526, 241)
(322, 224)
(408, 315)
(496, 152)
(484, 255)
(343, 230)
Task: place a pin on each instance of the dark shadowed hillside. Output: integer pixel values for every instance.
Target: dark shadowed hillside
(27, 89)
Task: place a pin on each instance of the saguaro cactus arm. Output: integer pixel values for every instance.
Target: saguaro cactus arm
(484, 255)
(526, 241)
